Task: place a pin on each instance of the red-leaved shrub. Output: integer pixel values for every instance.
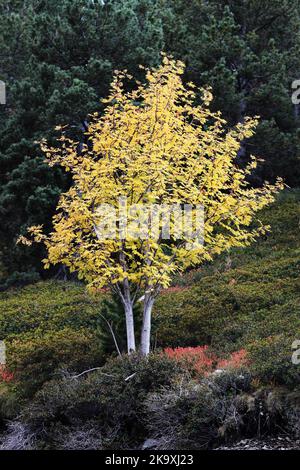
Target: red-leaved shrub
(236, 360)
(197, 360)
(5, 375)
(200, 361)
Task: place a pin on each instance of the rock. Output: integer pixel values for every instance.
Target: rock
(150, 444)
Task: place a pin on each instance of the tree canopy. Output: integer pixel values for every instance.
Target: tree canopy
(155, 148)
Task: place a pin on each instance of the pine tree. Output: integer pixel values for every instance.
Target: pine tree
(57, 58)
(248, 51)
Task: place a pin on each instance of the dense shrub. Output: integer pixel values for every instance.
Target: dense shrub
(48, 306)
(291, 409)
(19, 279)
(34, 360)
(271, 360)
(47, 327)
(222, 407)
(112, 397)
(130, 401)
(17, 437)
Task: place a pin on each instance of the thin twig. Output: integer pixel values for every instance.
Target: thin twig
(91, 370)
(113, 334)
(130, 377)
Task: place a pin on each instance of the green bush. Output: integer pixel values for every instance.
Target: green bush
(112, 397)
(49, 326)
(48, 306)
(34, 360)
(271, 360)
(10, 404)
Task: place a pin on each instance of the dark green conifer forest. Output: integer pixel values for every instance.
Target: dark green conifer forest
(57, 59)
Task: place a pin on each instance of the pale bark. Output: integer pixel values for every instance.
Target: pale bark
(129, 327)
(146, 326)
(125, 295)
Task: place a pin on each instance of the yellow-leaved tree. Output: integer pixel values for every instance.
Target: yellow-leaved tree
(150, 156)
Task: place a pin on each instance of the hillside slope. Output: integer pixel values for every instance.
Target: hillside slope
(248, 300)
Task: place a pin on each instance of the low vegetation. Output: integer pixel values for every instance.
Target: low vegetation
(222, 367)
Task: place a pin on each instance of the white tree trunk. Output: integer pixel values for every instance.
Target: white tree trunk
(129, 327)
(146, 326)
